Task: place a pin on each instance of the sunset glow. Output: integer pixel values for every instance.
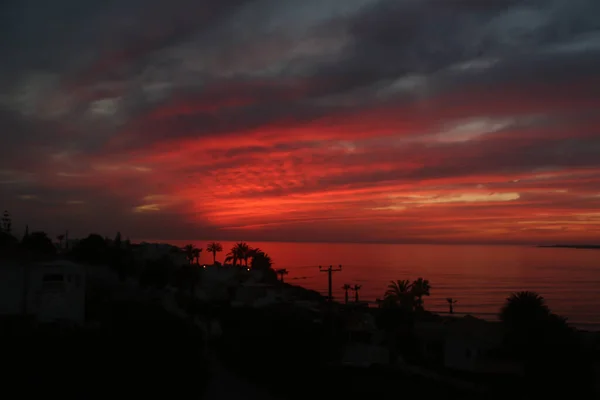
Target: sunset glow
(306, 121)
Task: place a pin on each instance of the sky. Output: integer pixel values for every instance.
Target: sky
(414, 121)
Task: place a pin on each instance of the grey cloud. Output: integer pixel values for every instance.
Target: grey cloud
(44, 34)
(395, 38)
(390, 39)
(206, 124)
(27, 143)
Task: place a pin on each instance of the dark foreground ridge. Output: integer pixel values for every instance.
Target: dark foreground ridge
(100, 319)
(136, 349)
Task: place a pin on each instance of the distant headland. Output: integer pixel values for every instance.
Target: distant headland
(573, 246)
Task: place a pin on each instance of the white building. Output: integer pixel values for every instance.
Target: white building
(473, 345)
(365, 345)
(50, 291)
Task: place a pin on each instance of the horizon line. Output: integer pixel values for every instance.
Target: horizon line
(370, 242)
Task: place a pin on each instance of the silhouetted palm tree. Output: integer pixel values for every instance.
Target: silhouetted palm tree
(451, 303)
(399, 293)
(346, 288)
(541, 339)
(196, 253)
(523, 310)
(245, 252)
(231, 258)
(420, 288)
(356, 288)
(190, 254)
(281, 273)
(214, 248)
(261, 260)
(241, 251)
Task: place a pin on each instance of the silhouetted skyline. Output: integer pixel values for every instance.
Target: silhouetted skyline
(308, 120)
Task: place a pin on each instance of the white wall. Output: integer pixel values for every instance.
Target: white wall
(38, 290)
(11, 288)
(61, 299)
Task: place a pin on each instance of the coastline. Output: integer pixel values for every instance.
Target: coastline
(571, 246)
(312, 295)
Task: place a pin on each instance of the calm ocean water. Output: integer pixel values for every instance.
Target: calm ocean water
(478, 277)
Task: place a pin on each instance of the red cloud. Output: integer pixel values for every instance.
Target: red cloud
(381, 173)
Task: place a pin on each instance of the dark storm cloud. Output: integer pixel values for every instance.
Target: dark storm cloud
(54, 35)
(523, 41)
(27, 143)
(393, 38)
(119, 40)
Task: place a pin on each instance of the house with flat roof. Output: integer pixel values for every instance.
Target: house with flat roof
(49, 291)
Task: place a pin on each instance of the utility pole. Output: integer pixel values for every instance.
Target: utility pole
(356, 288)
(330, 271)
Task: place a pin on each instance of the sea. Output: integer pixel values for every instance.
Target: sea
(479, 278)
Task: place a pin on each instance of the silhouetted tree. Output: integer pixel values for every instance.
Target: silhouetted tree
(555, 361)
(214, 248)
(6, 225)
(399, 294)
(356, 289)
(261, 261)
(190, 252)
(196, 254)
(26, 233)
(451, 303)
(238, 253)
(231, 258)
(524, 315)
(93, 250)
(39, 243)
(346, 288)
(281, 273)
(524, 310)
(60, 239)
(246, 252)
(117, 241)
(7, 240)
(420, 288)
